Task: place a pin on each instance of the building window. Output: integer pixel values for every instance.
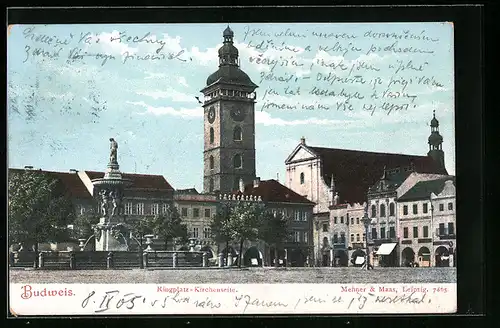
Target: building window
(382, 210)
(391, 209)
(212, 135)
(374, 211)
(184, 211)
(325, 227)
(441, 229)
(140, 208)
(450, 206)
(352, 220)
(297, 216)
(405, 232)
(425, 207)
(196, 212)
(451, 228)
(415, 209)
(441, 207)
(341, 219)
(237, 162)
(374, 233)
(335, 220)
(211, 160)
(342, 238)
(195, 232)
(325, 241)
(207, 212)
(128, 208)
(352, 237)
(82, 210)
(164, 208)
(415, 232)
(302, 178)
(357, 237)
(382, 232)
(206, 232)
(405, 209)
(357, 220)
(237, 134)
(426, 231)
(306, 237)
(211, 184)
(392, 232)
(364, 237)
(335, 238)
(155, 209)
(296, 236)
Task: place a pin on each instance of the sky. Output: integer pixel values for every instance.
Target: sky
(72, 87)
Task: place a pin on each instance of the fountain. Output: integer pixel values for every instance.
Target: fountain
(111, 233)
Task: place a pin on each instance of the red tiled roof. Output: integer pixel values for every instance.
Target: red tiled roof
(139, 181)
(71, 182)
(355, 171)
(273, 191)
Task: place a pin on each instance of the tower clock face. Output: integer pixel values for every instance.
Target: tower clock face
(237, 113)
(211, 114)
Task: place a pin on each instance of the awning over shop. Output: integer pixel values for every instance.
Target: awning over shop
(359, 260)
(386, 249)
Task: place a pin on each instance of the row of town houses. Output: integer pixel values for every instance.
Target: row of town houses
(336, 200)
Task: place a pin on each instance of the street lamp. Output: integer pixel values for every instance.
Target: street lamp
(366, 221)
(316, 223)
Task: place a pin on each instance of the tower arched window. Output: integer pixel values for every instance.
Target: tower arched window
(302, 178)
(391, 209)
(211, 162)
(374, 211)
(211, 184)
(212, 135)
(237, 134)
(382, 210)
(237, 161)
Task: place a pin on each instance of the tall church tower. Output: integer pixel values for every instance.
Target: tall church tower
(436, 142)
(229, 123)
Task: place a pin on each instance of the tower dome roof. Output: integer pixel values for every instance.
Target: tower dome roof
(434, 121)
(228, 32)
(230, 74)
(228, 48)
(435, 138)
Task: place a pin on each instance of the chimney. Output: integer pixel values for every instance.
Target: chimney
(303, 141)
(256, 182)
(242, 186)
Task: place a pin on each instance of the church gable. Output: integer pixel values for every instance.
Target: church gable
(301, 153)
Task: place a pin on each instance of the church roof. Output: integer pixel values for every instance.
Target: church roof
(71, 182)
(423, 189)
(273, 191)
(139, 181)
(356, 171)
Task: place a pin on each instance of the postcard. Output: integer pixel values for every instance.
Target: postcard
(231, 168)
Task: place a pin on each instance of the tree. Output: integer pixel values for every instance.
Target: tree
(169, 227)
(39, 208)
(139, 228)
(274, 230)
(244, 223)
(220, 226)
(83, 225)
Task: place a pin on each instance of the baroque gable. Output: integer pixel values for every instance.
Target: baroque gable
(300, 153)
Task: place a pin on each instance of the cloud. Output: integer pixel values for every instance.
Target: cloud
(183, 112)
(170, 93)
(182, 81)
(266, 119)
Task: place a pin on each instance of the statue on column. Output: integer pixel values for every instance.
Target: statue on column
(113, 157)
(117, 202)
(104, 202)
